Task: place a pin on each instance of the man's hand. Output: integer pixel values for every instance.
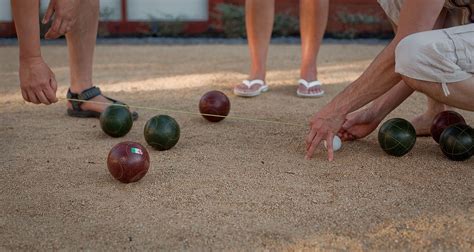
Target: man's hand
(37, 81)
(323, 126)
(359, 124)
(65, 15)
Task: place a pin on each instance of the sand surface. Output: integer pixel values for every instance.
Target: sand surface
(235, 185)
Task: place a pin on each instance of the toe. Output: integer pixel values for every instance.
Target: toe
(302, 89)
(315, 90)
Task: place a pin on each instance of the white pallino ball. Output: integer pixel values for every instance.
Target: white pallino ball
(336, 143)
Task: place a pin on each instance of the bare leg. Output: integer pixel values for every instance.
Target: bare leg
(422, 123)
(313, 20)
(259, 23)
(460, 97)
(81, 44)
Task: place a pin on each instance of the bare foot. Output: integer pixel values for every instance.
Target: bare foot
(309, 73)
(312, 90)
(245, 89)
(422, 124)
(250, 88)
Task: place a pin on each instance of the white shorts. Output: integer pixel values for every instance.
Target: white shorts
(442, 56)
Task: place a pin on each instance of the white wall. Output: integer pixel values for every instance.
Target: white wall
(187, 10)
(5, 11)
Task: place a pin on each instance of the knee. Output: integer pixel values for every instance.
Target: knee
(412, 83)
(409, 54)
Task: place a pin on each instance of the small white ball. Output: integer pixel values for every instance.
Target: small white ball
(336, 143)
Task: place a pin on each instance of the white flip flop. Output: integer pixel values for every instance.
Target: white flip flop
(309, 85)
(249, 83)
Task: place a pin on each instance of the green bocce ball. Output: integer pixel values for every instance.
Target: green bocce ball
(397, 137)
(457, 142)
(116, 120)
(162, 132)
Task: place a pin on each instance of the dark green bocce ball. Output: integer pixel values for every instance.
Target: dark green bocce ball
(472, 136)
(397, 137)
(162, 132)
(457, 142)
(116, 121)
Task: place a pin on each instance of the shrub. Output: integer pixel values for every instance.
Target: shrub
(358, 18)
(285, 25)
(170, 27)
(233, 22)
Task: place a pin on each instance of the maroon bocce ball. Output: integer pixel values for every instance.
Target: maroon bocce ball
(444, 120)
(128, 162)
(214, 103)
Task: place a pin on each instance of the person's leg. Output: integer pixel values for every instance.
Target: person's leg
(427, 59)
(461, 92)
(422, 123)
(81, 44)
(313, 20)
(259, 17)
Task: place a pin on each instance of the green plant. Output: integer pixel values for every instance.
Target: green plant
(285, 25)
(347, 34)
(233, 20)
(358, 18)
(105, 13)
(172, 28)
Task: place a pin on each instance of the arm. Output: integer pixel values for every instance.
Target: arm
(26, 15)
(380, 76)
(376, 80)
(390, 100)
(36, 79)
(361, 123)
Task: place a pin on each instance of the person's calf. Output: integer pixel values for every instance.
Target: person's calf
(460, 93)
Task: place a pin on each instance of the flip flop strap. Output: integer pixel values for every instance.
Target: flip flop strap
(84, 95)
(309, 84)
(250, 83)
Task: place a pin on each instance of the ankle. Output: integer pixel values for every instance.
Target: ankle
(435, 111)
(79, 88)
(257, 74)
(309, 75)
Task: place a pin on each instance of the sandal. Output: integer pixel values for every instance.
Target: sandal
(309, 85)
(249, 83)
(86, 95)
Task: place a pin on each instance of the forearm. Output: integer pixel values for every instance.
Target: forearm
(26, 16)
(379, 77)
(385, 104)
